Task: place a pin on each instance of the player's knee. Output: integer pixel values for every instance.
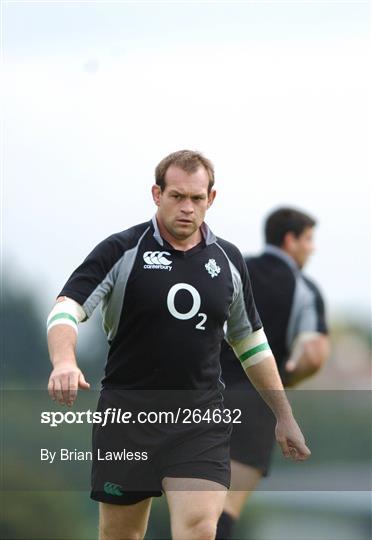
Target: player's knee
(202, 528)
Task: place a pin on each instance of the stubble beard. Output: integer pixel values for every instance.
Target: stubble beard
(181, 233)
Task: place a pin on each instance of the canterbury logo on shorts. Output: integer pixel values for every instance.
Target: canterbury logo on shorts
(112, 489)
(157, 260)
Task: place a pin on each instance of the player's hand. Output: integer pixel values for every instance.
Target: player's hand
(291, 440)
(64, 382)
(290, 365)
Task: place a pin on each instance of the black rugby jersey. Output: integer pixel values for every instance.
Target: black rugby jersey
(288, 302)
(164, 310)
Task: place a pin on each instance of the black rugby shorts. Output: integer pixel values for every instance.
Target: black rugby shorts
(146, 453)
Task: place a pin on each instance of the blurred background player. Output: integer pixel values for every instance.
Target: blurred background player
(292, 311)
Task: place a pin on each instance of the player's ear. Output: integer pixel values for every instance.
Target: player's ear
(289, 240)
(211, 197)
(156, 194)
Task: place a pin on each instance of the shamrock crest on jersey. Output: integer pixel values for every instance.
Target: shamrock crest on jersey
(212, 268)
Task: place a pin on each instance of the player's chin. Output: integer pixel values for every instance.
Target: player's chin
(184, 230)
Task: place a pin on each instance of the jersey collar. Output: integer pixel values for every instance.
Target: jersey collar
(208, 236)
(270, 249)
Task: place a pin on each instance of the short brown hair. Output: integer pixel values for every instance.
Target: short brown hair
(284, 220)
(187, 160)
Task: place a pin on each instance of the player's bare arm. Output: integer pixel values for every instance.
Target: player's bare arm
(265, 377)
(66, 377)
(260, 366)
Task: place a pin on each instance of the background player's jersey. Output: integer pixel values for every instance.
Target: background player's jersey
(164, 310)
(288, 303)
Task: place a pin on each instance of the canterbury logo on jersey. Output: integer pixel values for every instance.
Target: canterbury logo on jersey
(112, 489)
(156, 260)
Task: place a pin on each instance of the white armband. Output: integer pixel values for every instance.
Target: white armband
(66, 312)
(252, 349)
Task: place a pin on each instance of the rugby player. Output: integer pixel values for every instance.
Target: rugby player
(168, 287)
(292, 311)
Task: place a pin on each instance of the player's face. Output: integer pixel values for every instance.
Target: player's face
(183, 203)
(303, 246)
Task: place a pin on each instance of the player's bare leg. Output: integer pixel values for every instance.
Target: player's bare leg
(124, 522)
(195, 506)
(244, 480)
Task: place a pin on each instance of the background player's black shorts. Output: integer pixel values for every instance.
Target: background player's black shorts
(253, 440)
(150, 452)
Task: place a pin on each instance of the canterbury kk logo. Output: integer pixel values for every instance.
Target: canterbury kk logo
(157, 260)
(112, 489)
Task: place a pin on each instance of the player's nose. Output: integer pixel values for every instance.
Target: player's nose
(187, 206)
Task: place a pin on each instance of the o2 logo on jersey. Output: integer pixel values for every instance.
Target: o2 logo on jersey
(196, 303)
(156, 260)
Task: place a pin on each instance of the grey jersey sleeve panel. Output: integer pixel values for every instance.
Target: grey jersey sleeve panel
(94, 280)
(102, 290)
(303, 317)
(111, 290)
(94, 277)
(113, 305)
(322, 326)
(238, 325)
